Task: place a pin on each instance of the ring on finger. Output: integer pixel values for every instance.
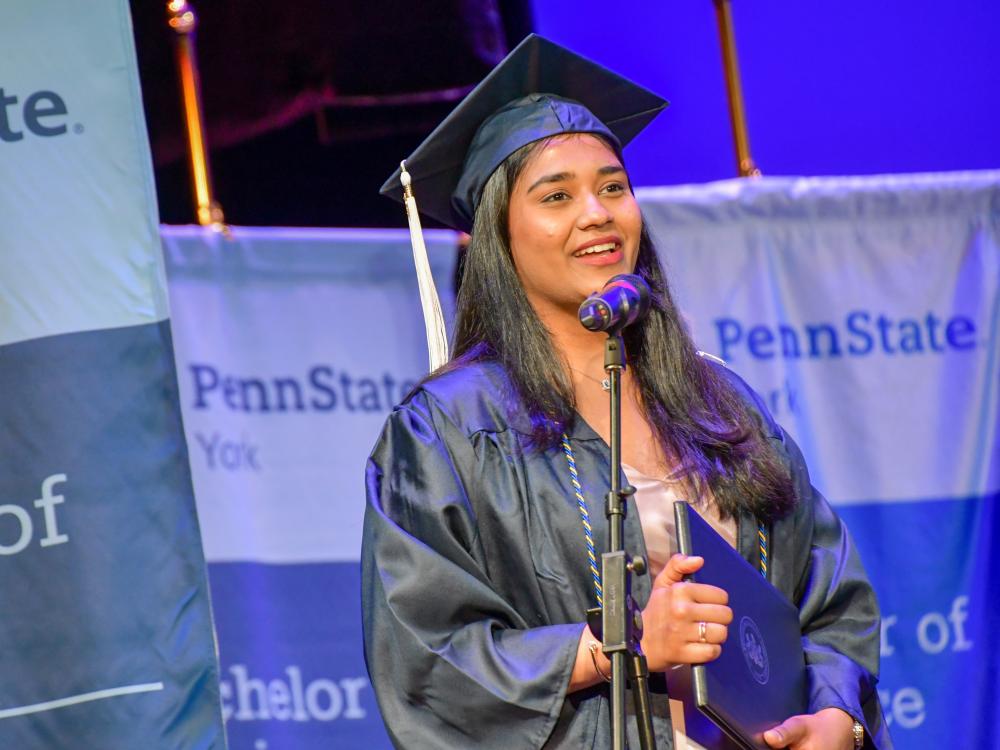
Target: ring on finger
(703, 632)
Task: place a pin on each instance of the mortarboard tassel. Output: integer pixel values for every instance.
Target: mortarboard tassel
(437, 336)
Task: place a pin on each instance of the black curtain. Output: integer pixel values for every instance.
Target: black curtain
(309, 105)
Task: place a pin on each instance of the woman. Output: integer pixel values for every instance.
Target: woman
(475, 569)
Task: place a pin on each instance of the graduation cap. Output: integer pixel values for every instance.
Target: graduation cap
(539, 90)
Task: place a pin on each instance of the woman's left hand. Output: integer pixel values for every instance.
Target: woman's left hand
(827, 729)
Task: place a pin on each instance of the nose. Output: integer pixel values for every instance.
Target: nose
(593, 213)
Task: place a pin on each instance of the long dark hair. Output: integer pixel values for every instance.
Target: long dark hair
(697, 415)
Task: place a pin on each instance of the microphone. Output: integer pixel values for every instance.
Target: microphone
(623, 301)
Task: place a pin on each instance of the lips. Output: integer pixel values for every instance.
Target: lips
(597, 246)
(603, 251)
(605, 247)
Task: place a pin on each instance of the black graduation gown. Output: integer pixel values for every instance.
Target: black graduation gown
(475, 578)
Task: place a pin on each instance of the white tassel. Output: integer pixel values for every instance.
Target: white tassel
(437, 335)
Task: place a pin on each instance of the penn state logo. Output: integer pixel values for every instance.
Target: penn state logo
(754, 651)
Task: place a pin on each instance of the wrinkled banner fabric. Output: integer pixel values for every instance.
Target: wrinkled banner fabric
(867, 312)
(292, 347)
(864, 310)
(106, 637)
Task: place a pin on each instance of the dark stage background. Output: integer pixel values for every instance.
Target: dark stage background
(312, 104)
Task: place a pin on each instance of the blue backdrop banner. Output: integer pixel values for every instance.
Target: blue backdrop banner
(292, 347)
(106, 636)
(866, 311)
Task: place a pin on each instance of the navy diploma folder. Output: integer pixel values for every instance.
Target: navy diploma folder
(759, 680)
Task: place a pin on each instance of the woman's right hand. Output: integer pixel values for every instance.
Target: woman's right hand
(671, 630)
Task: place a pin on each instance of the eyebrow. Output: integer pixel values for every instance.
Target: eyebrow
(563, 176)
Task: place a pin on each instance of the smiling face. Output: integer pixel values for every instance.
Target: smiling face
(573, 222)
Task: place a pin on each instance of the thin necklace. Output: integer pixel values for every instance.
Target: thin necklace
(605, 383)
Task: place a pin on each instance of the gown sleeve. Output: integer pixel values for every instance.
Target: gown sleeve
(838, 611)
(453, 664)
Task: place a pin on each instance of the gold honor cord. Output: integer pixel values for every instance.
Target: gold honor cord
(437, 335)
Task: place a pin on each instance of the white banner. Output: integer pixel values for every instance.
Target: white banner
(76, 179)
(864, 309)
(292, 347)
(106, 635)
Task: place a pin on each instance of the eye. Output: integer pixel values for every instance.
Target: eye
(559, 195)
(615, 187)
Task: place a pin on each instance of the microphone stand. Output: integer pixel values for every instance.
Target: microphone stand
(620, 620)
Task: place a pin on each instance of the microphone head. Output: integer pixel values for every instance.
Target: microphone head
(623, 301)
(595, 313)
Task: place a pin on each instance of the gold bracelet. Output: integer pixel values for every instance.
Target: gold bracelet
(594, 645)
(859, 735)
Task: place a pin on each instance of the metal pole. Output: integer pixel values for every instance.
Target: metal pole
(727, 38)
(621, 620)
(182, 19)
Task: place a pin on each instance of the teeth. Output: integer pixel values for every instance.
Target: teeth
(607, 247)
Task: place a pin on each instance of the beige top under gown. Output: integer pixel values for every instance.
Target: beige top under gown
(654, 499)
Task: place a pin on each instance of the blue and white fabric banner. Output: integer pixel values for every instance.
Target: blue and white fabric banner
(867, 312)
(292, 347)
(106, 637)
